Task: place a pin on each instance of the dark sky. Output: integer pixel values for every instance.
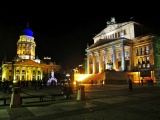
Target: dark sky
(61, 31)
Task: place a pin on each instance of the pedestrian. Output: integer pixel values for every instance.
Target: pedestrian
(91, 82)
(130, 84)
(142, 81)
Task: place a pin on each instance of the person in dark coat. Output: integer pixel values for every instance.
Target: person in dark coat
(130, 84)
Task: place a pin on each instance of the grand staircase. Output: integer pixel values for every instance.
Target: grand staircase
(95, 77)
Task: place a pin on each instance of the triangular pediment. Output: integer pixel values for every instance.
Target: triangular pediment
(28, 63)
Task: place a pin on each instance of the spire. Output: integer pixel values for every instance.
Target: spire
(4, 59)
(87, 45)
(27, 24)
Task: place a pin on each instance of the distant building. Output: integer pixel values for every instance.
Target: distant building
(25, 67)
(127, 46)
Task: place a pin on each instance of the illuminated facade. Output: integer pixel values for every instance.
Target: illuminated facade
(127, 46)
(25, 67)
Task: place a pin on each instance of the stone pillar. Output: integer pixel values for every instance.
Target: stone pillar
(106, 58)
(81, 93)
(14, 73)
(100, 62)
(15, 97)
(36, 73)
(123, 57)
(88, 65)
(114, 57)
(94, 64)
(20, 73)
(41, 74)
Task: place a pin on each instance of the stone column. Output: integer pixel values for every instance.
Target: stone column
(94, 64)
(123, 57)
(14, 73)
(114, 57)
(106, 58)
(99, 61)
(26, 74)
(36, 73)
(41, 74)
(20, 73)
(88, 65)
(31, 74)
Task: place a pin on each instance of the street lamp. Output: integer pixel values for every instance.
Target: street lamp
(68, 80)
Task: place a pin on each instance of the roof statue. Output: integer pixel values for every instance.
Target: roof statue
(112, 21)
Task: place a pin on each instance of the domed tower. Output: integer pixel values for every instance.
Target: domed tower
(26, 45)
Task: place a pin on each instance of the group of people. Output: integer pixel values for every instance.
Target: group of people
(6, 86)
(101, 82)
(149, 82)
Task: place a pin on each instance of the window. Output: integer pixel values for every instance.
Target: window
(137, 52)
(115, 35)
(127, 54)
(147, 50)
(90, 61)
(119, 55)
(111, 57)
(119, 34)
(124, 31)
(104, 58)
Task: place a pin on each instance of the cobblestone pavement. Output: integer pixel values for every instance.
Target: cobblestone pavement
(108, 102)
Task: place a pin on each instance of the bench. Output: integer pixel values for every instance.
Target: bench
(5, 99)
(53, 96)
(33, 96)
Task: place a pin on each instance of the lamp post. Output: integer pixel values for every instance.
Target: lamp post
(68, 80)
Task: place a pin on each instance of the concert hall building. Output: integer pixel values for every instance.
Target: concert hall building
(128, 47)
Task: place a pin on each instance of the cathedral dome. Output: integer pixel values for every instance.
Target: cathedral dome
(28, 32)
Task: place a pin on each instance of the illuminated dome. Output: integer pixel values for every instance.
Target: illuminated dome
(28, 32)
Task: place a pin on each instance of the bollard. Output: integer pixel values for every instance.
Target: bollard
(81, 93)
(15, 97)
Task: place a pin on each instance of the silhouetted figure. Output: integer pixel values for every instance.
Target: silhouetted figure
(67, 91)
(6, 86)
(130, 84)
(142, 81)
(91, 82)
(151, 82)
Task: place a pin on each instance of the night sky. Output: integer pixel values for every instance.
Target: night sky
(61, 31)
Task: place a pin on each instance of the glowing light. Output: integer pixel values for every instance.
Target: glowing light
(67, 75)
(74, 82)
(81, 77)
(48, 58)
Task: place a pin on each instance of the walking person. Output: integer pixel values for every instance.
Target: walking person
(142, 81)
(130, 84)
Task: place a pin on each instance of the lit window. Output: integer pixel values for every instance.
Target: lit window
(127, 54)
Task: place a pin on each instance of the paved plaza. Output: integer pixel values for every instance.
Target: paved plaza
(107, 102)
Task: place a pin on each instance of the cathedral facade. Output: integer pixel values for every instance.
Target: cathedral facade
(128, 47)
(25, 66)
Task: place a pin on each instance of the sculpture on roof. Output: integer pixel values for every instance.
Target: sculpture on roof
(112, 21)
